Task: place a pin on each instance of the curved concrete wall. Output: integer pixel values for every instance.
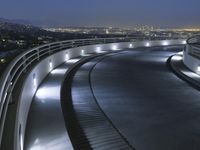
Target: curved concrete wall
(191, 62)
(42, 69)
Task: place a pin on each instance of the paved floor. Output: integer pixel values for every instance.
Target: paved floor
(87, 124)
(151, 106)
(46, 126)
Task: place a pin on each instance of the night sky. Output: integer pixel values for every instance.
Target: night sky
(121, 13)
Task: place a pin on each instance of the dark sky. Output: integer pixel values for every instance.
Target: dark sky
(124, 13)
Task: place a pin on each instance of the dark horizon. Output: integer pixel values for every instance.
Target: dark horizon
(126, 13)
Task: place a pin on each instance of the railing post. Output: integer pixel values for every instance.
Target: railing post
(83, 43)
(95, 40)
(61, 46)
(72, 44)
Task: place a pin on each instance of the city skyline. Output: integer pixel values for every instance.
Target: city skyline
(126, 13)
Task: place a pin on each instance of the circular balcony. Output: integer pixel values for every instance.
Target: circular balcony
(38, 62)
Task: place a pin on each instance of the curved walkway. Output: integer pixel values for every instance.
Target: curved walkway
(45, 125)
(148, 105)
(147, 102)
(117, 101)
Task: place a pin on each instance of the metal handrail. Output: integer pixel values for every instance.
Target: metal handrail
(16, 68)
(194, 40)
(194, 46)
(194, 51)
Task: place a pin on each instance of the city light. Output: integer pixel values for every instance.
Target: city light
(100, 75)
(2, 60)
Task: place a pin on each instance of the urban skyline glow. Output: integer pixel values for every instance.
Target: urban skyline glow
(126, 13)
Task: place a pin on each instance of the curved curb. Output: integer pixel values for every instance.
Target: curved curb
(184, 73)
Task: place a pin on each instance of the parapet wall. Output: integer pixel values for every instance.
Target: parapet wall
(191, 58)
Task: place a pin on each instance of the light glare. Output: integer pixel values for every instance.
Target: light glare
(198, 69)
(50, 64)
(82, 52)
(98, 50)
(66, 57)
(177, 57)
(147, 44)
(184, 42)
(58, 71)
(21, 142)
(34, 81)
(72, 61)
(47, 93)
(5, 95)
(165, 43)
(114, 47)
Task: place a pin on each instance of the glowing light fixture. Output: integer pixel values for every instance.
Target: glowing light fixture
(130, 45)
(50, 64)
(98, 50)
(184, 42)
(114, 47)
(147, 44)
(82, 52)
(66, 57)
(34, 81)
(198, 69)
(165, 43)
